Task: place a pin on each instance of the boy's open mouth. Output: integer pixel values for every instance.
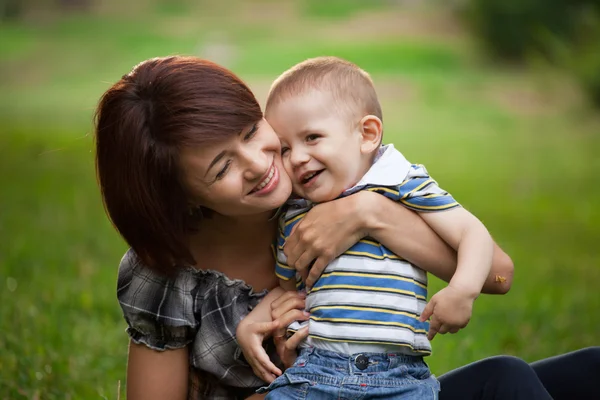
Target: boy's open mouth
(310, 176)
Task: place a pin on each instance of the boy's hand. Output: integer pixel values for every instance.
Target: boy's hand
(286, 348)
(250, 336)
(450, 310)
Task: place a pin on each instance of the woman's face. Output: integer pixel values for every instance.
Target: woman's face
(240, 176)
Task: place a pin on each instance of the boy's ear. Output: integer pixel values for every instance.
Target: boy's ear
(371, 129)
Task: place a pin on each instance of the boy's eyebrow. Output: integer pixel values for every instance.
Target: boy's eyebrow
(215, 160)
(307, 130)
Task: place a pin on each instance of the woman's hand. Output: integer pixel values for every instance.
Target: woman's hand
(288, 308)
(250, 336)
(328, 230)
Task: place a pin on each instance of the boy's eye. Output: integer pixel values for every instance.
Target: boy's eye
(284, 150)
(251, 132)
(311, 137)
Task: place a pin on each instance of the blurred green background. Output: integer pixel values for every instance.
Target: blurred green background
(514, 138)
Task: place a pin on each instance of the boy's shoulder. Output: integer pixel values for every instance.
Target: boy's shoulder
(291, 213)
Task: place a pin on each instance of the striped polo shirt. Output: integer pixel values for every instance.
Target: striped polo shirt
(369, 299)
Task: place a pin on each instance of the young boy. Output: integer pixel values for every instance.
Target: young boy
(367, 329)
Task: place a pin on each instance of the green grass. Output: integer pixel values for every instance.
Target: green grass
(526, 168)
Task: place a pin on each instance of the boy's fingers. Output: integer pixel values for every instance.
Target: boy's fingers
(444, 328)
(434, 327)
(293, 342)
(427, 312)
(454, 329)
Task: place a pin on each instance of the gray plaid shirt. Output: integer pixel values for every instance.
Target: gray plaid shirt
(199, 308)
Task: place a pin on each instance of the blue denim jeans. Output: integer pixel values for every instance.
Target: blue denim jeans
(321, 374)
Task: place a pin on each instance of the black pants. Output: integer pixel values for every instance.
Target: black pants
(569, 376)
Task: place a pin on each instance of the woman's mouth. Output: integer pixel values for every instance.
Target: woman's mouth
(268, 183)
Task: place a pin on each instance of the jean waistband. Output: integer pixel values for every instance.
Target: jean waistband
(358, 362)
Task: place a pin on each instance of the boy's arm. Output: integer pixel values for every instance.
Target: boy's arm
(287, 284)
(451, 308)
(469, 237)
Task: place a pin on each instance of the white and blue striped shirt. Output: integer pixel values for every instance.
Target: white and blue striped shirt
(369, 299)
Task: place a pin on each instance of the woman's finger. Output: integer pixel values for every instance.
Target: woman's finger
(289, 317)
(263, 362)
(283, 298)
(304, 262)
(266, 327)
(292, 303)
(316, 270)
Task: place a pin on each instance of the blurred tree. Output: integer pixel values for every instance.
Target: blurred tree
(10, 9)
(510, 29)
(565, 32)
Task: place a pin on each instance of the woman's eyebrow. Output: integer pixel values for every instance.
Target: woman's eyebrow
(216, 160)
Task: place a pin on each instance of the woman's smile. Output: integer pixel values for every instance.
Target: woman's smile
(268, 183)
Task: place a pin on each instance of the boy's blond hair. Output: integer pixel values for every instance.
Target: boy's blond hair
(351, 87)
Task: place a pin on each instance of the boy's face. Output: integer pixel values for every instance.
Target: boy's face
(321, 149)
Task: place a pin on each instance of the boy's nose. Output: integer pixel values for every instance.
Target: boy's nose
(299, 157)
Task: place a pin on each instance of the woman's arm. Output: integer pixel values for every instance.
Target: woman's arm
(331, 228)
(406, 234)
(157, 375)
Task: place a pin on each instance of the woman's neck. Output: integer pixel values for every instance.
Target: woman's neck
(227, 229)
(238, 247)
(249, 235)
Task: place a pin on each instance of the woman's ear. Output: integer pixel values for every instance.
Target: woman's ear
(371, 129)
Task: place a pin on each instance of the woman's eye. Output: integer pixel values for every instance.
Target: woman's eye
(312, 137)
(251, 132)
(222, 172)
(284, 150)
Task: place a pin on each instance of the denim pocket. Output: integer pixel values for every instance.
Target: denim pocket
(287, 386)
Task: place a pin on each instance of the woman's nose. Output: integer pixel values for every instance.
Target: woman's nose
(256, 163)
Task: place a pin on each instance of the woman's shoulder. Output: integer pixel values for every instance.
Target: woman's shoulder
(141, 291)
(166, 312)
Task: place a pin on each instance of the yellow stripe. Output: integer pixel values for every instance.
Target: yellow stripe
(421, 186)
(444, 206)
(375, 256)
(369, 322)
(373, 288)
(367, 342)
(364, 309)
(282, 277)
(297, 217)
(285, 266)
(367, 275)
(372, 243)
(384, 189)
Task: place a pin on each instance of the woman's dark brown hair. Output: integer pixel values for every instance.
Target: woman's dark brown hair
(142, 123)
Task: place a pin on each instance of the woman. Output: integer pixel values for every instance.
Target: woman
(191, 177)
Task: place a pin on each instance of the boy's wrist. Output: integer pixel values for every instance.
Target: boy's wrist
(466, 289)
